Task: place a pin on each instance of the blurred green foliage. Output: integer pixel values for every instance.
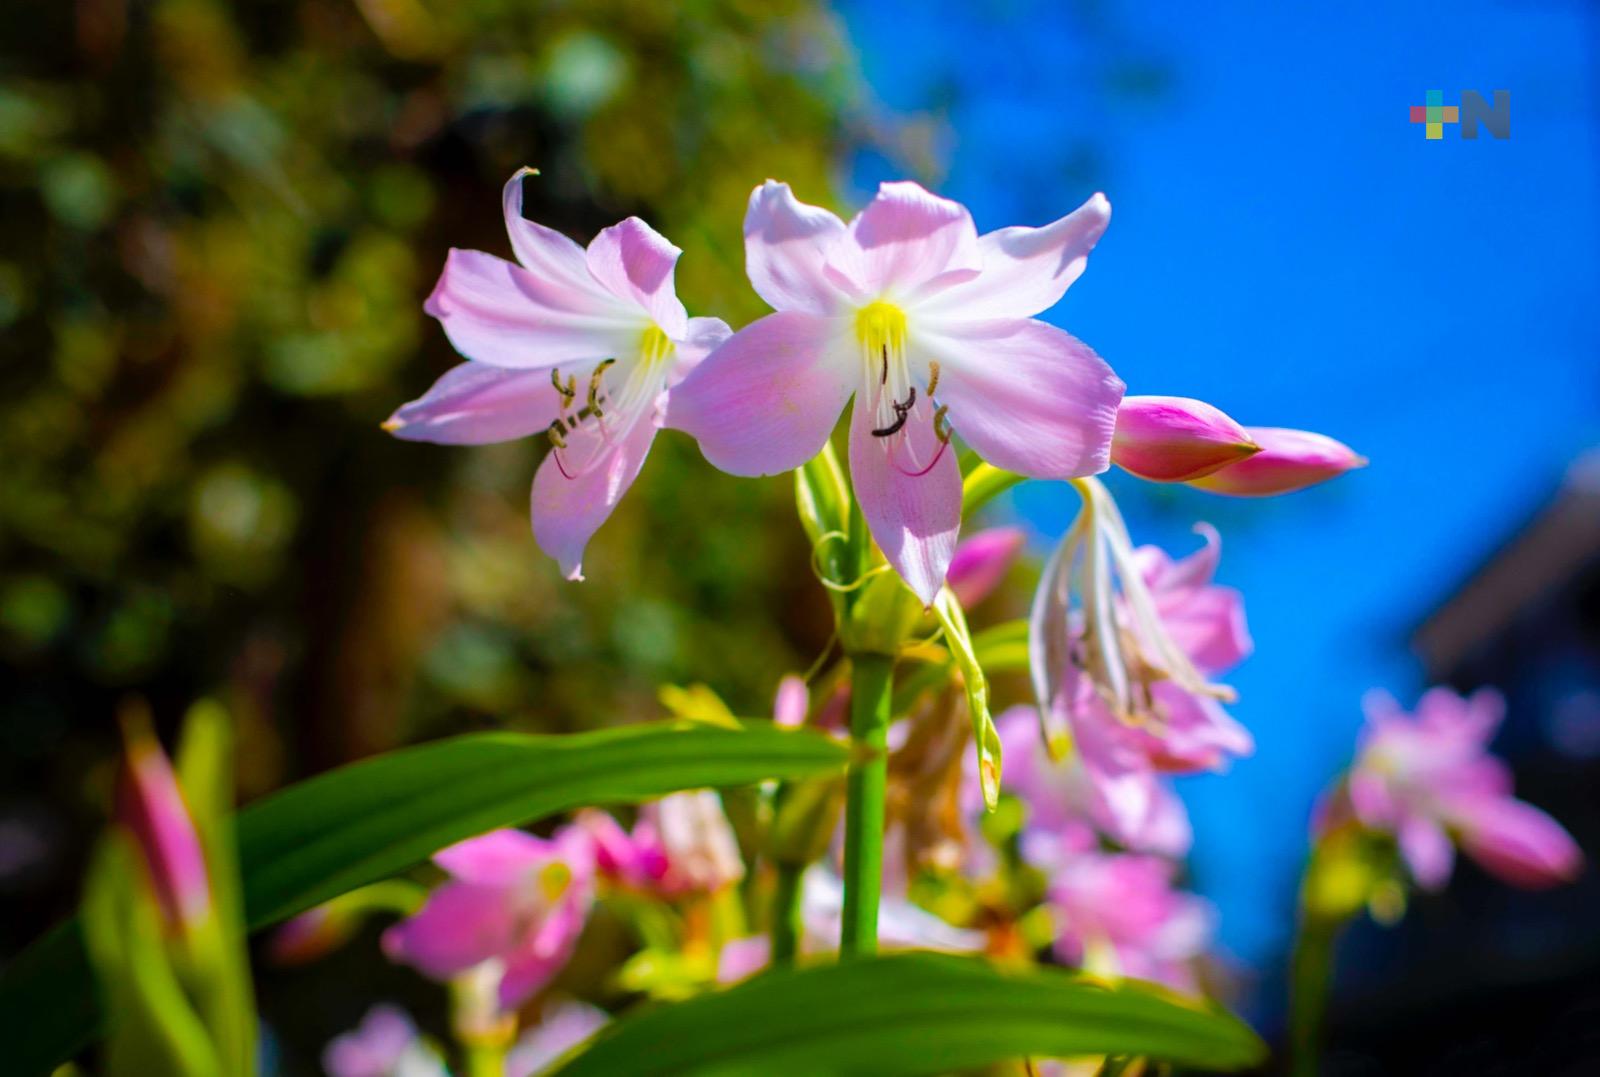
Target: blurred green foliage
(221, 220)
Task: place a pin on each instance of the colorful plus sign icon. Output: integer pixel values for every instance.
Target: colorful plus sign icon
(1435, 114)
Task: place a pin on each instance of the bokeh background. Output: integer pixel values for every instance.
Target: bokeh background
(220, 219)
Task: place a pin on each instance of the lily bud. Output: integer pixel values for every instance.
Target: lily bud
(151, 805)
(1176, 439)
(980, 563)
(1289, 460)
(791, 703)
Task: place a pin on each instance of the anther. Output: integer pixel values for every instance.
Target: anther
(594, 385)
(941, 424)
(557, 438)
(883, 379)
(933, 377)
(902, 411)
(568, 391)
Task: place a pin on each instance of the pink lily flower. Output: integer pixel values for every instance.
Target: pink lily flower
(930, 327)
(1430, 781)
(1064, 811)
(151, 805)
(1176, 439)
(1124, 675)
(981, 561)
(385, 1044)
(1289, 460)
(512, 899)
(1119, 915)
(582, 345)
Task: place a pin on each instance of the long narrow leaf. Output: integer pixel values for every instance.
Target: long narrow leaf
(912, 1014)
(369, 820)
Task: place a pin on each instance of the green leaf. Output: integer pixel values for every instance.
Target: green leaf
(983, 484)
(913, 1014)
(366, 821)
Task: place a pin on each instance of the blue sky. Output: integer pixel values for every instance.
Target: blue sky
(1286, 245)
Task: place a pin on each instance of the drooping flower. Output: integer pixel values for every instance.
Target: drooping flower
(152, 806)
(1289, 460)
(560, 1029)
(1122, 673)
(1063, 809)
(385, 1044)
(1176, 439)
(1430, 781)
(981, 562)
(930, 327)
(581, 345)
(1118, 914)
(512, 899)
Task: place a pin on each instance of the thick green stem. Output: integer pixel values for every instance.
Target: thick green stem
(871, 683)
(1310, 982)
(786, 915)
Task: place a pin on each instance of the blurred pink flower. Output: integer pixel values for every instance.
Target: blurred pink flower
(1119, 915)
(680, 844)
(1063, 808)
(1123, 675)
(911, 311)
(151, 805)
(1429, 780)
(584, 345)
(385, 1044)
(1289, 460)
(981, 562)
(511, 898)
(1176, 439)
(561, 1028)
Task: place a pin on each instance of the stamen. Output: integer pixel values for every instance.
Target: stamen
(902, 411)
(933, 378)
(557, 438)
(883, 379)
(569, 391)
(594, 385)
(941, 424)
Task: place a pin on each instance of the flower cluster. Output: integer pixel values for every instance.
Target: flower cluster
(1427, 780)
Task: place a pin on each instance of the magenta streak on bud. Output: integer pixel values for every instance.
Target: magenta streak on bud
(1289, 460)
(1175, 439)
(151, 805)
(980, 563)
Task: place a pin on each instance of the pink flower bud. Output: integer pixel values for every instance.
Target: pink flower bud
(980, 563)
(1289, 460)
(1175, 439)
(792, 701)
(151, 805)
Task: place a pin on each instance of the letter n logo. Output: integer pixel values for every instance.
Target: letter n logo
(1475, 110)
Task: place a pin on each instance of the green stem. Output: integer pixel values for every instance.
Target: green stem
(1310, 982)
(786, 915)
(871, 682)
(485, 1060)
